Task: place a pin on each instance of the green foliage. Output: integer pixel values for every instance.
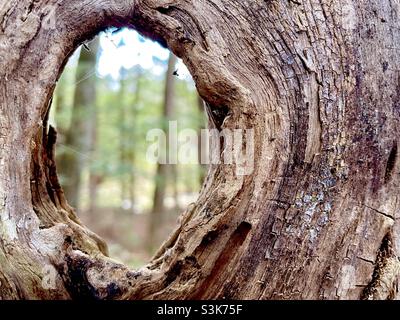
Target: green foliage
(127, 108)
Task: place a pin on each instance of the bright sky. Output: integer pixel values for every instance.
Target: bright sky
(127, 49)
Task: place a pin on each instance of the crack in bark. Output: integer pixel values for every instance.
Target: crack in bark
(391, 162)
(228, 254)
(6, 12)
(380, 212)
(366, 260)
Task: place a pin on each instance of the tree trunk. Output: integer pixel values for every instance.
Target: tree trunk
(202, 146)
(122, 124)
(127, 125)
(92, 135)
(82, 131)
(133, 140)
(95, 178)
(317, 218)
(164, 171)
(60, 105)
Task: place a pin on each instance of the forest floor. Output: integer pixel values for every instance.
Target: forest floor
(126, 233)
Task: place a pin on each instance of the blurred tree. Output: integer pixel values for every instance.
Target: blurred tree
(60, 105)
(81, 135)
(122, 131)
(91, 117)
(162, 169)
(127, 106)
(128, 131)
(202, 145)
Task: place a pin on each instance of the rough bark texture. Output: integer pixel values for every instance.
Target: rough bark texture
(319, 82)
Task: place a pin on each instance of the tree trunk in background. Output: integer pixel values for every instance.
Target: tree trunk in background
(127, 125)
(81, 136)
(174, 184)
(123, 134)
(59, 106)
(133, 137)
(94, 177)
(202, 146)
(164, 171)
(317, 218)
(92, 132)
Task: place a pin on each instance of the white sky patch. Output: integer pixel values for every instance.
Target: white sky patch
(127, 49)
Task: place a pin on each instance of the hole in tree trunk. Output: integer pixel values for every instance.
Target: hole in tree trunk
(117, 96)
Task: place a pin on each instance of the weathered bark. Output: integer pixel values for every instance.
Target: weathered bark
(317, 219)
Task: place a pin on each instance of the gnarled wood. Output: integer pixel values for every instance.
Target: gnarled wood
(318, 81)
